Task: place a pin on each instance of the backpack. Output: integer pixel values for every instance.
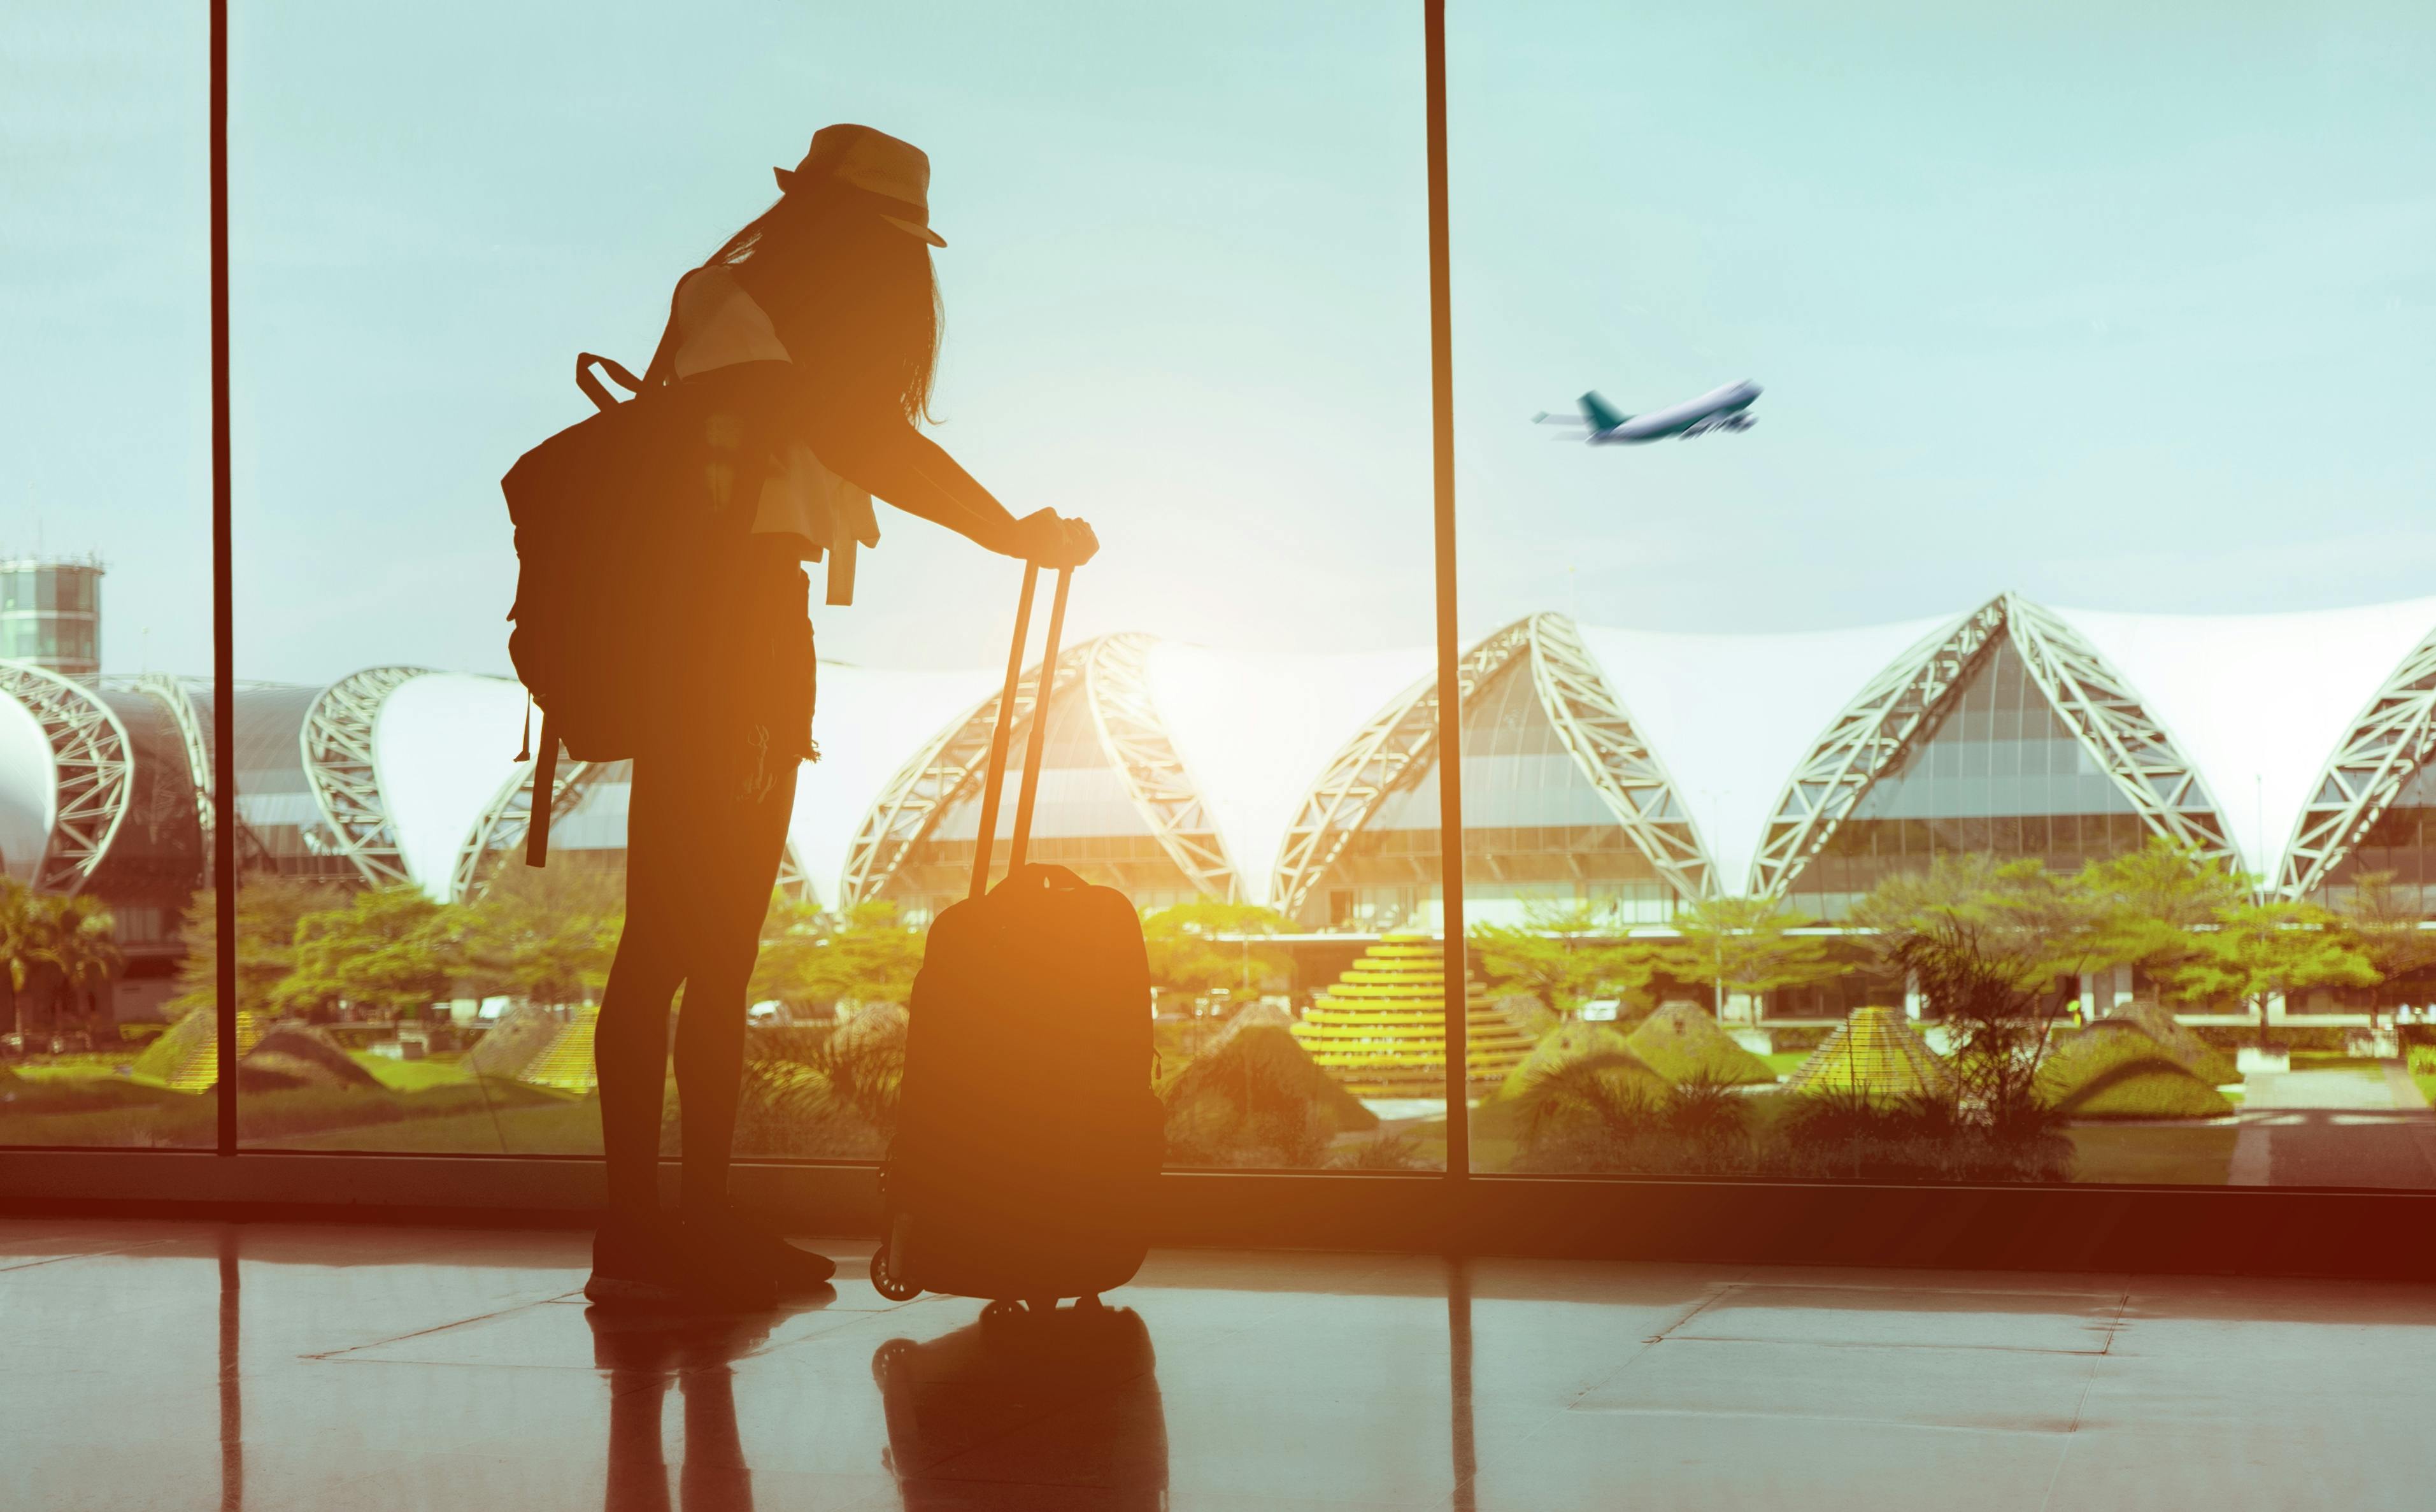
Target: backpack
(631, 530)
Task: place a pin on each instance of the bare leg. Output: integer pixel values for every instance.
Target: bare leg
(629, 1047)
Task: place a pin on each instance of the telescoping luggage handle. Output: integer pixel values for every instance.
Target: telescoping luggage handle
(995, 779)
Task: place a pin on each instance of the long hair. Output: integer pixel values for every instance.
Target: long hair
(844, 286)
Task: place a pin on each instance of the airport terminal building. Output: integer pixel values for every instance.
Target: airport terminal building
(1625, 768)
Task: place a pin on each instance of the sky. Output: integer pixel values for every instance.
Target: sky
(2126, 309)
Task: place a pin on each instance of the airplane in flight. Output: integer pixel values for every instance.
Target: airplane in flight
(1726, 408)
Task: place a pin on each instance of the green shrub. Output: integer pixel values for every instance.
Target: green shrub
(39, 1095)
(1255, 1097)
(814, 1091)
(2422, 1060)
(2279, 1036)
(275, 1116)
(1681, 1043)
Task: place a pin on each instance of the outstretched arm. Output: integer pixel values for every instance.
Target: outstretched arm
(881, 452)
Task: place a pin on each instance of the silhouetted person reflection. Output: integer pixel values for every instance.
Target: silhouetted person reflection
(1069, 1397)
(829, 296)
(645, 1353)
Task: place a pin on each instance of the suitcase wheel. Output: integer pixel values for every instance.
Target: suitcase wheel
(885, 1279)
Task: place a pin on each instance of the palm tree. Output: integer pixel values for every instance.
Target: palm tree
(75, 935)
(16, 941)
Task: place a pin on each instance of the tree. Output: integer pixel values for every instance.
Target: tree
(391, 949)
(2384, 922)
(2151, 904)
(1747, 946)
(1984, 941)
(268, 912)
(1190, 955)
(1557, 956)
(16, 941)
(545, 934)
(811, 958)
(2259, 948)
(75, 937)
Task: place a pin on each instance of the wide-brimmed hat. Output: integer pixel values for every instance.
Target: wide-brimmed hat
(894, 176)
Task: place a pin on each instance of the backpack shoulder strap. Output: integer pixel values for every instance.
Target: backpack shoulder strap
(662, 368)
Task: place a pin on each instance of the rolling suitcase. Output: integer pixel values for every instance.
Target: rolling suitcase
(1027, 1133)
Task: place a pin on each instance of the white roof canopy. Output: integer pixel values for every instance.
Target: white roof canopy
(2257, 701)
(1732, 716)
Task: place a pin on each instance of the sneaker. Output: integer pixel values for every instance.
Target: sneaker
(643, 1264)
(754, 1249)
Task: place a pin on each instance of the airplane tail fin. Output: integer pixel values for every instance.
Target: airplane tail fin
(1601, 414)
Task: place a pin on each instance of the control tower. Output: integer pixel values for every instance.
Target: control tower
(50, 612)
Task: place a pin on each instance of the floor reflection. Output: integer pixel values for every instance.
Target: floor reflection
(1067, 1397)
(643, 1355)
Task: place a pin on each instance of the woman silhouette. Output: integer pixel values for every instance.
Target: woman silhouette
(829, 294)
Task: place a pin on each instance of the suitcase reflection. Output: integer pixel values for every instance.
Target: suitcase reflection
(1064, 1398)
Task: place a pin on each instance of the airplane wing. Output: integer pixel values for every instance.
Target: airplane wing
(1544, 418)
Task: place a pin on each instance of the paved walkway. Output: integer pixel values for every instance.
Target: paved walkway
(2343, 1126)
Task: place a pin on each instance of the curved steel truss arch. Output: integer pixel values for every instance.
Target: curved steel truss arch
(1872, 736)
(508, 818)
(2390, 740)
(337, 742)
(95, 769)
(2105, 714)
(1399, 745)
(1900, 709)
(1597, 729)
(926, 787)
(173, 695)
(1116, 680)
(1389, 752)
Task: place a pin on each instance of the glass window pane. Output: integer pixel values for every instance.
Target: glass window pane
(106, 399)
(1901, 648)
(1147, 328)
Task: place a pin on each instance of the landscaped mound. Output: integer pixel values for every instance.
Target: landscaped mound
(1256, 1098)
(295, 1057)
(514, 1042)
(1681, 1043)
(1592, 1048)
(1874, 1054)
(2112, 1070)
(2178, 1044)
(187, 1058)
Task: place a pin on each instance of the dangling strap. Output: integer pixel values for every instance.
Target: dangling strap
(545, 788)
(524, 750)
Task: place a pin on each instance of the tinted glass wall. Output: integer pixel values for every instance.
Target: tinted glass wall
(1974, 752)
(1863, 490)
(105, 577)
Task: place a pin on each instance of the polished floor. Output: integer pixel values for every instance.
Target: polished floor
(187, 1366)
